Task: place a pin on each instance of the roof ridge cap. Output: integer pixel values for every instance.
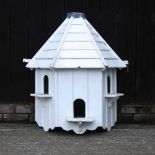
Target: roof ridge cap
(111, 50)
(92, 39)
(39, 51)
(60, 44)
(76, 15)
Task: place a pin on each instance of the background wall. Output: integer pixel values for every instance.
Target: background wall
(128, 26)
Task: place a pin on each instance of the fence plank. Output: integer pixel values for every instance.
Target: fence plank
(128, 26)
(145, 75)
(18, 45)
(5, 83)
(127, 35)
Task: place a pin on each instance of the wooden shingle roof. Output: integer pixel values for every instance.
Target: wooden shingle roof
(75, 44)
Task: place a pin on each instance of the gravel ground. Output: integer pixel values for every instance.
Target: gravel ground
(29, 139)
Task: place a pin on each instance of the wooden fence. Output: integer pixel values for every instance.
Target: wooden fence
(127, 25)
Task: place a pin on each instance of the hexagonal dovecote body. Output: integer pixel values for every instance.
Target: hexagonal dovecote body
(75, 78)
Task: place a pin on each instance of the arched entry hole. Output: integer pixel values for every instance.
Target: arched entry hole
(79, 108)
(108, 84)
(46, 85)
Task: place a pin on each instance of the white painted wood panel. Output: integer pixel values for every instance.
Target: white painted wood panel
(51, 45)
(64, 96)
(47, 54)
(77, 37)
(38, 89)
(96, 37)
(56, 37)
(76, 28)
(104, 104)
(95, 95)
(78, 63)
(80, 84)
(79, 54)
(78, 45)
(114, 63)
(108, 54)
(113, 78)
(77, 21)
(109, 114)
(41, 63)
(102, 46)
(52, 102)
(45, 113)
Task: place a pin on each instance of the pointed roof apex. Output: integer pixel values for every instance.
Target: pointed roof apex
(75, 15)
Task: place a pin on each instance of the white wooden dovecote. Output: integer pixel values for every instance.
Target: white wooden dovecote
(75, 78)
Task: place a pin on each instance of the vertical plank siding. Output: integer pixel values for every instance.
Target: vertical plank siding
(128, 26)
(5, 34)
(18, 49)
(127, 48)
(145, 81)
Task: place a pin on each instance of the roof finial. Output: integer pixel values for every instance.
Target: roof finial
(75, 15)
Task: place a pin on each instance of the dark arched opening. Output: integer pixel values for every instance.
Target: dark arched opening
(79, 108)
(108, 84)
(46, 85)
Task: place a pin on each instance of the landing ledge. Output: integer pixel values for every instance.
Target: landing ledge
(113, 95)
(42, 95)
